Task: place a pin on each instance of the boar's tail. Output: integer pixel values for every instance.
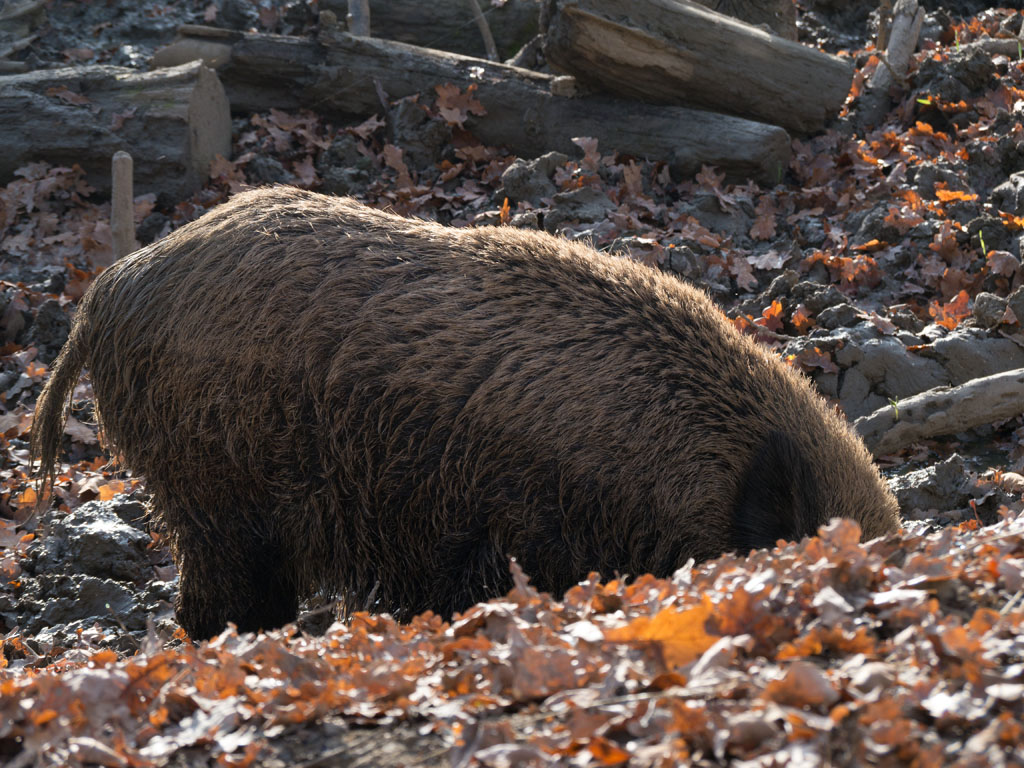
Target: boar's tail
(53, 406)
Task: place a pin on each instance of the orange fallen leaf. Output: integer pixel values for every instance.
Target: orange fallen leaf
(803, 685)
(949, 195)
(681, 635)
(949, 315)
(801, 319)
(771, 317)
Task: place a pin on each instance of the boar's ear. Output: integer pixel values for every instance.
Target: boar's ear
(777, 497)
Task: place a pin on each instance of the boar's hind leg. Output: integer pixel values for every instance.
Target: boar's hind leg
(241, 576)
(778, 497)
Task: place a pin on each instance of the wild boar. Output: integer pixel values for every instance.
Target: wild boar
(324, 396)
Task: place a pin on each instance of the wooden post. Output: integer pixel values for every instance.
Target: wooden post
(485, 30)
(122, 205)
(907, 19)
(358, 18)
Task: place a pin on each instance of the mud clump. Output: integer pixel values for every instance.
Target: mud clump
(91, 567)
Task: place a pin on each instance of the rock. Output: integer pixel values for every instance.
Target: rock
(875, 227)
(238, 14)
(153, 227)
(1009, 196)
(895, 373)
(969, 353)
(583, 204)
(683, 261)
(855, 395)
(988, 233)
(812, 232)
(839, 316)
(92, 567)
(344, 181)
(906, 320)
(49, 330)
(817, 297)
(872, 676)
(942, 486)
(264, 169)
(925, 175)
(779, 288)
(343, 153)
(423, 139)
(525, 220)
(530, 180)
(95, 540)
(989, 309)
(78, 597)
(735, 222)
(1016, 303)
(966, 71)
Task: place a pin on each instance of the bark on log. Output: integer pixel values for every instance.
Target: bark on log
(779, 16)
(342, 75)
(677, 52)
(943, 411)
(172, 121)
(449, 24)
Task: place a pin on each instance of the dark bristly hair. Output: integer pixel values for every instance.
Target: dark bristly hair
(320, 395)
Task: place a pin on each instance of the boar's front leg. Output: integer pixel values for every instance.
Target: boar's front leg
(241, 576)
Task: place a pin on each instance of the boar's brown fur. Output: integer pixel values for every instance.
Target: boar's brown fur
(324, 396)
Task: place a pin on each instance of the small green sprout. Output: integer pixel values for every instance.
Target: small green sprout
(981, 239)
(895, 408)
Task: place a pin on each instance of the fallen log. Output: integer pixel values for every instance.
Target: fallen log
(678, 52)
(340, 75)
(943, 411)
(778, 16)
(172, 121)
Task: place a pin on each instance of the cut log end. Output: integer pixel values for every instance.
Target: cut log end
(209, 119)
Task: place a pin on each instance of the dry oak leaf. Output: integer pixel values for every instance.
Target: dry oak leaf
(393, 159)
(681, 635)
(949, 195)
(740, 269)
(304, 171)
(884, 325)
(771, 259)
(66, 95)
(949, 315)
(368, 127)
(591, 157)
(1002, 263)
(813, 358)
(763, 227)
(771, 317)
(455, 106)
(801, 319)
(803, 685)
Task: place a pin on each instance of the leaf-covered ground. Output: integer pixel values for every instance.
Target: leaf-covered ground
(885, 249)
